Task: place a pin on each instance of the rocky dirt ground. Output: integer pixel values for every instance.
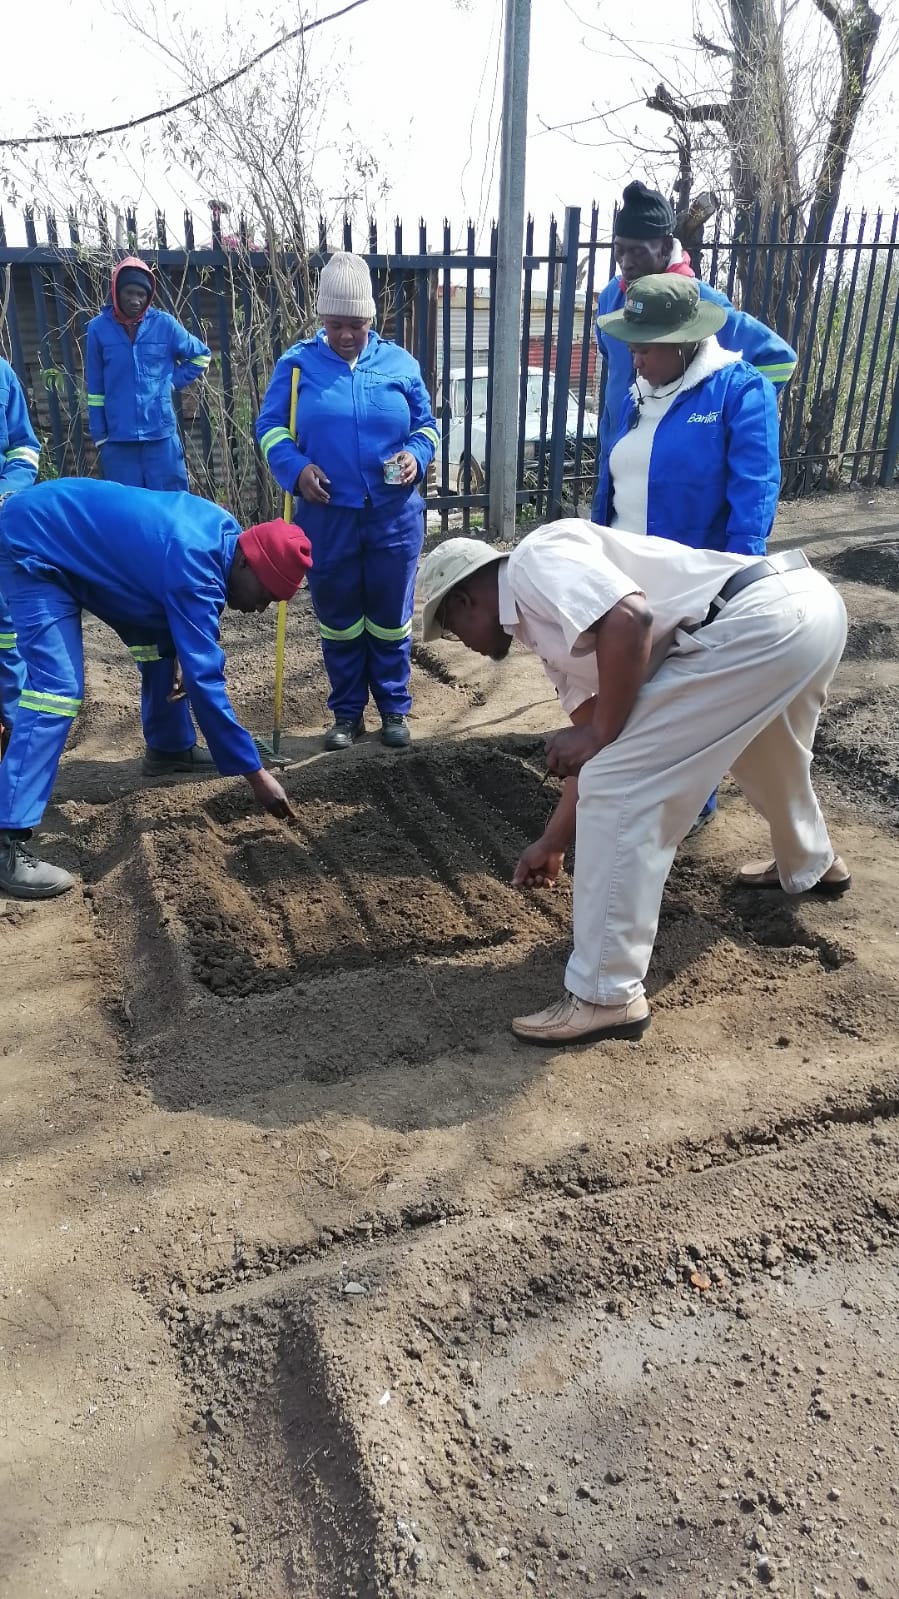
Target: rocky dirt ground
(316, 1283)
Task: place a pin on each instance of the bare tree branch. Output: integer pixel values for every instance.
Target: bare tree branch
(683, 111)
(711, 48)
(856, 29)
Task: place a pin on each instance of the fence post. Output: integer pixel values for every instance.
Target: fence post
(564, 338)
(510, 235)
(891, 454)
(8, 311)
(44, 344)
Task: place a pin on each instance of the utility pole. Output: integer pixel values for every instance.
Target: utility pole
(510, 239)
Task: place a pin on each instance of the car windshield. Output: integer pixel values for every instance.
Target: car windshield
(478, 396)
(535, 393)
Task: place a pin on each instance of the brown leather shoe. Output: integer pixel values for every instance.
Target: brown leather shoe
(763, 874)
(575, 1021)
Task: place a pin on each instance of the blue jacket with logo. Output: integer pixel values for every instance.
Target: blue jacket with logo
(350, 420)
(19, 446)
(714, 468)
(130, 382)
(742, 333)
(155, 567)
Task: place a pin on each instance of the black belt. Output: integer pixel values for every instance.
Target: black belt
(771, 566)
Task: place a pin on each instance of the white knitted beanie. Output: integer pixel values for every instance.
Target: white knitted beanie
(344, 287)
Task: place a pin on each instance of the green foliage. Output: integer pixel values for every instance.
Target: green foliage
(47, 471)
(53, 379)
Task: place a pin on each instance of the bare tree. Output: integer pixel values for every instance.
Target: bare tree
(270, 159)
(767, 96)
(762, 106)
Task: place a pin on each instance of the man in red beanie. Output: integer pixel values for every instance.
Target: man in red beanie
(159, 569)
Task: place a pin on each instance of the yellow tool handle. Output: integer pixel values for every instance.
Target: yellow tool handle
(281, 635)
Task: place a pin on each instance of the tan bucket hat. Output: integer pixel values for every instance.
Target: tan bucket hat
(451, 563)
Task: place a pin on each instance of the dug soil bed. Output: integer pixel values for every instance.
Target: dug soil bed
(382, 929)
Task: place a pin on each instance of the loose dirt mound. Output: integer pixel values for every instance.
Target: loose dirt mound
(876, 563)
(858, 743)
(871, 641)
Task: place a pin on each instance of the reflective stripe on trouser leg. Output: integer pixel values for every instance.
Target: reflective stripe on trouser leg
(335, 588)
(391, 547)
(48, 625)
(167, 724)
(743, 695)
(12, 668)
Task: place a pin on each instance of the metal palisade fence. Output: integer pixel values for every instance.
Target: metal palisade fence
(837, 302)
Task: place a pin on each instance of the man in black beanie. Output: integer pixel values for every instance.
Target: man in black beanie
(645, 244)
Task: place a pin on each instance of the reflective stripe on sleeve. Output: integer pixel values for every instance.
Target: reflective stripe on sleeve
(143, 652)
(7, 641)
(50, 704)
(342, 635)
(200, 360)
(390, 635)
(781, 373)
(431, 434)
(24, 452)
(272, 437)
(96, 399)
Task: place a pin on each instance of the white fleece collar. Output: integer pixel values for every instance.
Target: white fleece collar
(709, 358)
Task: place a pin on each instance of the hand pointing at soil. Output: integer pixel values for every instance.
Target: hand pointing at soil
(271, 795)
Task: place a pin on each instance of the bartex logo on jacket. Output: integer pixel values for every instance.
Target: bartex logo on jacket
(710, 416)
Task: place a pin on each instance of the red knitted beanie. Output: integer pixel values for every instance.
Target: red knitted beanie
(279, 553)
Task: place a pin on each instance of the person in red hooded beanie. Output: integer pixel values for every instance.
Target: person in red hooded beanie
(159, 569)
(136, 356)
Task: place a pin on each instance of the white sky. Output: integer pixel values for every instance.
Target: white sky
(422, 85)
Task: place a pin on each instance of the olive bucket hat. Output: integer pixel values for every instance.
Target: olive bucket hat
(663, 309)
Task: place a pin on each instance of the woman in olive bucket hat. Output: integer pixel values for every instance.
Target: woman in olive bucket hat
(695, 455)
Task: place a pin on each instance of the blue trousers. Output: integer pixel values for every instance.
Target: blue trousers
(48, 624)
(158, 464)
(12, 667)
(362, 584)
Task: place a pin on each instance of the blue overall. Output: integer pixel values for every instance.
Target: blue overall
(19, 457)
(132, 422)
(157, 464)
(155, 569)
(129, 399)
(756, 343)
(714, 464)
(367, 540)
(362, 584)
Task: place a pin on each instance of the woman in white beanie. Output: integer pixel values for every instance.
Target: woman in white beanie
(365, 438)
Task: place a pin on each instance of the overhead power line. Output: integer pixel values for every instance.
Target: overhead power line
(181, 105)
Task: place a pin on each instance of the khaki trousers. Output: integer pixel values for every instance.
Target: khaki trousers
(743, 695)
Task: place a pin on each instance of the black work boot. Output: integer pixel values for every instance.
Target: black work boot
(24, 876)
(192, 762)
(344, 733)
(394, 731)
